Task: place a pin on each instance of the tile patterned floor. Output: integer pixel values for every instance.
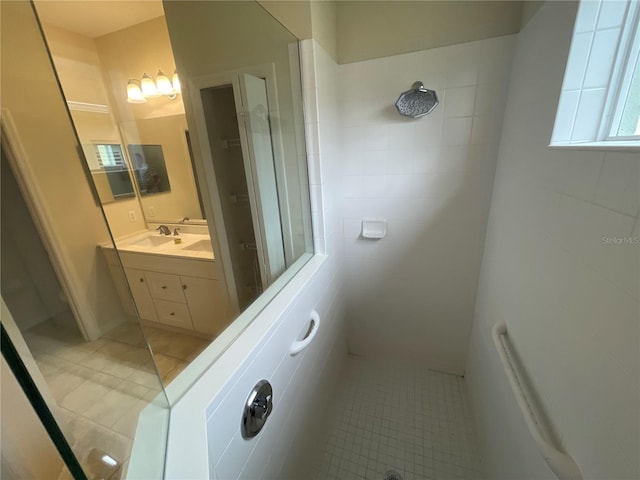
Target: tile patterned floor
(101, 387)
(390, 416)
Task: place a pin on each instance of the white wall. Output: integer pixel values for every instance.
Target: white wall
(78, 67)
(569, 299)
(286, 447)
(375, 29)
(411, 294)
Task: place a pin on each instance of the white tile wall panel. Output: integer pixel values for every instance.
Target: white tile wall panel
(560, 267)
(412, 293)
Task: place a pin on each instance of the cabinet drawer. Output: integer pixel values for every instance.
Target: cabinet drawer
(174, 314)
(164, 286)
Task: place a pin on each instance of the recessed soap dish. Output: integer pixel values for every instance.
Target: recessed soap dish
(374, 227)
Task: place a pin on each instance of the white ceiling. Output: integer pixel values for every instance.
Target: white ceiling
(95, 18)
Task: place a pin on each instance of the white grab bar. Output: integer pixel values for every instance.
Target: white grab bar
(299, 345)
(562, 464)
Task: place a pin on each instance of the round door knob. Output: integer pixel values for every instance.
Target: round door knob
(141, 280)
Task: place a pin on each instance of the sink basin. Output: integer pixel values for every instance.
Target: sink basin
(153, 241)
(203, 245)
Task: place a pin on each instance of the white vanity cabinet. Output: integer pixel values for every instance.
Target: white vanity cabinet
(200, 293)
(179, 292)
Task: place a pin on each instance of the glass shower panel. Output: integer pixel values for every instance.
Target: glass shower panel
(139, 162)
(24, 437)
(89, 360)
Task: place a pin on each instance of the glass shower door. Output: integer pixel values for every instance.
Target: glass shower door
(88, 362)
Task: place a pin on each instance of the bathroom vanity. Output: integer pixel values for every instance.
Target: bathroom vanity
(174, 280)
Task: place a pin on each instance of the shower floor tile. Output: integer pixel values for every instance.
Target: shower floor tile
(391, 416)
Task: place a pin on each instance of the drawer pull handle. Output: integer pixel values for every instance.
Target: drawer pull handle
(184, 287)
(299, 345)
(164, 287)
(141, 280)
(172, 313)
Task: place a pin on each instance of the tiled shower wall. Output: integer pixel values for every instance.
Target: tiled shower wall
(560, 268)
(412, 294)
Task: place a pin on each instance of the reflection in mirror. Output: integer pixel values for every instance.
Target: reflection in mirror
(150, 171)
(220, 205)
(162, 142)
(109, 171)
(143, 174)
(244, 105)
(206, 199)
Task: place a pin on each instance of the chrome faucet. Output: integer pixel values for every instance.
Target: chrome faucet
(176, 232)
(164, 230)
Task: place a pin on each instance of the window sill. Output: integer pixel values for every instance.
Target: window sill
(630, 145)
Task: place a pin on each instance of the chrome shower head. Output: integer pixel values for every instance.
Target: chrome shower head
(417, 102)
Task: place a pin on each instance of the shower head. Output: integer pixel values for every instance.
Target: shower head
(417, 102)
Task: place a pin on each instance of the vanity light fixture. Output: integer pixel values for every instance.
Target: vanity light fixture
(164, 85)
(176, 82)
(141, 91)
(134, 92)
(149, 88)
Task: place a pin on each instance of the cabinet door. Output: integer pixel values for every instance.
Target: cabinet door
(165, 286)
(141, 294)
(208, 304)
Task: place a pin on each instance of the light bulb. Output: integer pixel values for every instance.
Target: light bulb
(134, 92)
(149, 88)
(164, 84)
(176, 83)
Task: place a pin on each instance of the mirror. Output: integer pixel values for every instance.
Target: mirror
(204, 187)
(104, 152)
(109, 171)
(162, 143)
(149, 169)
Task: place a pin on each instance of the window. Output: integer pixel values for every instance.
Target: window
(110, 156)
(600, 98)
(626, 119)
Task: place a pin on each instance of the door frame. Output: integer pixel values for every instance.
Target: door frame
(34, 199)
(231, 77)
